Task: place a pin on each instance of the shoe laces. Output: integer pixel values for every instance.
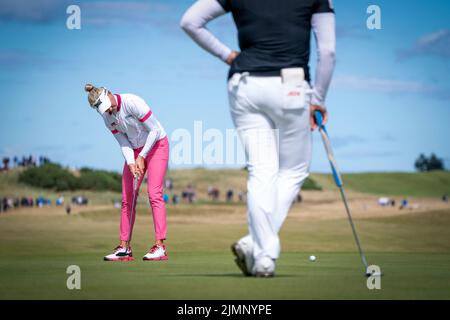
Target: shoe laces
(154, 248)
(120, 247)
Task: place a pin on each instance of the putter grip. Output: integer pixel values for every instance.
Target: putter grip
(319, 119)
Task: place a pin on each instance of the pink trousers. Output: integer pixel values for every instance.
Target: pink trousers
(156, 165)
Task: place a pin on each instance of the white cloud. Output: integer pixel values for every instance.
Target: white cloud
(389, 86)
(31, 11)
(433, 44)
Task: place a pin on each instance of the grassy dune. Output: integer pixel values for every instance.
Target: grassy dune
(426, 184)
(423, 184)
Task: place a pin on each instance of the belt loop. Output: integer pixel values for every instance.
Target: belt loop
(237, 78)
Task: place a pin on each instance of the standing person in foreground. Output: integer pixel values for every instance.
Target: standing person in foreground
(268, 88)
(145, 147)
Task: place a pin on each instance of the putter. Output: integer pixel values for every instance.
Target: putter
(131, 220)
(338, 180)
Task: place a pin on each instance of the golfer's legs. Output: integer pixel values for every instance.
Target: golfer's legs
(294, 159)
(262, 168)
(156, 166)
(259, 140)
(127, 203)
(294, 138)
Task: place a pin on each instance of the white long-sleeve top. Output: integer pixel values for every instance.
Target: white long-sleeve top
(134, 126)
(195, 19)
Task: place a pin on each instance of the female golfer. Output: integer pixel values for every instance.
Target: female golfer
(145, 147)
(271, 104)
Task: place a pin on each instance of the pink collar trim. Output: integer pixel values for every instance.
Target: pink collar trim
(119, 101)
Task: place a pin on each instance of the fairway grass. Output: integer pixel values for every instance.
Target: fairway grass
(412, 250)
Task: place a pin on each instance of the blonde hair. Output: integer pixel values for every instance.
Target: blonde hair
(94, 93)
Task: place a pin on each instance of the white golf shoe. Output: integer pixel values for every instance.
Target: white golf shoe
(243, 251)
(264, 267)
(120, 254)
(156, 253)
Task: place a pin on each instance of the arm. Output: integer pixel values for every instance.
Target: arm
(142, 112)
(125, 146)
(323, 25)
(153, 135)
(194, 22)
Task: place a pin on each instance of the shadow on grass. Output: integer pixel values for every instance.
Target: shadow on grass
(227, 275)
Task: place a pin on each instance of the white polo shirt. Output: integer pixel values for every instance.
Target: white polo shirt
(134, 125)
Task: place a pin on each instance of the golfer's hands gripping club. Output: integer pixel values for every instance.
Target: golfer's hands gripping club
(312, 117)
(134, 169)
(140, 166)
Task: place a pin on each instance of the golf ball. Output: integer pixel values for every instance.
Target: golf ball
(312, 258)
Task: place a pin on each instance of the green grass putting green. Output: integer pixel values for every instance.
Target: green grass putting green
(413, 252)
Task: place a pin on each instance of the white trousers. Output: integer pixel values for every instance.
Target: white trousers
(272, 119)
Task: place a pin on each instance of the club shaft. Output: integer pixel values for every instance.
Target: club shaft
(355, 234)
(133, 207)
(339, 184)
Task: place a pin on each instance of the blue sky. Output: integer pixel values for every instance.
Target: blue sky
(389, 98)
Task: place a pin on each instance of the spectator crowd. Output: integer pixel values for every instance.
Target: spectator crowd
(23, 161)
(9, 203)
(189, 195)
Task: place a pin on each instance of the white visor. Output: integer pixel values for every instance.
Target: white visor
(103, 102)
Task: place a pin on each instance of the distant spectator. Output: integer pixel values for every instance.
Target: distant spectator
(169, 184)
(445, 198)
(68, 208)
(6, 163)
(213, 193)
(16, 161)
(392, 203)
(166, 198)
(40, 201)
(4, 204)
(10, 203)
(299, 198)
(188, 194)
(404, 204)
(60, 201)
(117, 204)
(383, 201)
(175, 199)
(31, 161)
(241, 196)
(80, 200)
(24, 202)
(230, 195)
(210, 188)
(43, 160)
